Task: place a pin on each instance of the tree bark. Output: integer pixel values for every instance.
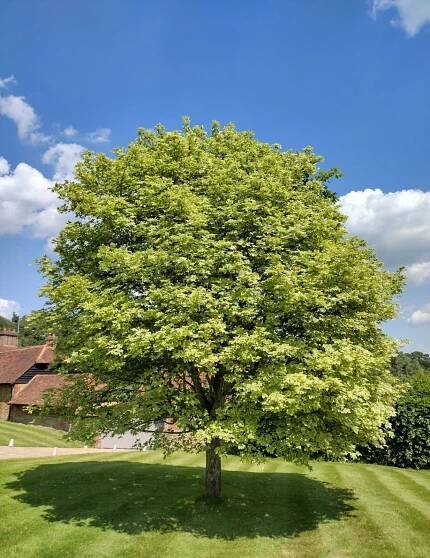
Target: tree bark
(213, 471)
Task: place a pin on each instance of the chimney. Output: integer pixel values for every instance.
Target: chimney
(51, 340)
(8, 338)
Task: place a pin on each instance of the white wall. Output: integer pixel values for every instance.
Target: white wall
(126, 440)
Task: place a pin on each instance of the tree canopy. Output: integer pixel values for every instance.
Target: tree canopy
(207, 279)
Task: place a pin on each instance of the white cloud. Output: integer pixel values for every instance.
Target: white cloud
(419, 273)
(28, 124)
(4, 166)
(413, 15)
(421, 316)
(10, 80)
(396, 224)
(24, 117)
(8, 307)
(27, 205)
(70, 131)
(101, 135)
(63, 157)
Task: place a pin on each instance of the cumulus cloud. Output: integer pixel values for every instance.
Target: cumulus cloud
(396, 224)
(413, 15)
(24, 117)
(63, 157)
(8, 307)
(101, 135)
(4, 82)
(4, 166)
(27, 205)
(27, 122)
(421, 316)
(419, 273)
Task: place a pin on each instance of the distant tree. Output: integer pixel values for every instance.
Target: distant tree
(30, 333)
(15, 320)
(209, 280)
(408, 364)
(5, 323)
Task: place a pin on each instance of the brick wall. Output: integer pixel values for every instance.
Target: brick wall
(5, 395)
(8, 338)
(18, 414)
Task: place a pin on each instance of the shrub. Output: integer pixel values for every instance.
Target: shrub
(409, 445)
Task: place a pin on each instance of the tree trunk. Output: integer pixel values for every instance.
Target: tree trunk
(213, 471)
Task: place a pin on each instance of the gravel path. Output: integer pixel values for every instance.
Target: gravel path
(18, 453)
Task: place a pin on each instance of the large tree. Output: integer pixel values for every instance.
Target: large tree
(208, 280)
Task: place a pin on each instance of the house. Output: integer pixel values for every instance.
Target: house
(24, 377)
(32, 394)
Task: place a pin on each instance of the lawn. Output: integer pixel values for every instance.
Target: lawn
(33, 436)
(139, 505)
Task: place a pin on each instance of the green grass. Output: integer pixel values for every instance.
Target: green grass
(138, 505)
(33, 436)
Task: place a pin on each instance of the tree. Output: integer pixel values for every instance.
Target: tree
(409, 364)
(15, 320)
(207, 279)
(28, 329)
(5, 323)
(30, 333)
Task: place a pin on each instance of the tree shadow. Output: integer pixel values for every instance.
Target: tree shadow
(132, 498)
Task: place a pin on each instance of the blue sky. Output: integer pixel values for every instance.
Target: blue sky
(350, 78)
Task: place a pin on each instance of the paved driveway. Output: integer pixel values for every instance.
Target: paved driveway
(18, 453)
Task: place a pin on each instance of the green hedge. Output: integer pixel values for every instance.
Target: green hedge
(410, 444)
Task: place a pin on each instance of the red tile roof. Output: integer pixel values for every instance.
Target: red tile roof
(46, 355)
(32, 393)
(13, 363)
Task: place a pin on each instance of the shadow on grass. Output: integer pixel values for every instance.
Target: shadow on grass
(132, 498)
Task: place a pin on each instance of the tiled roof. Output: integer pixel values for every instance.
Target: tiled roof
(46, 355)
(32, 393)
(5, 348)
(13, 363)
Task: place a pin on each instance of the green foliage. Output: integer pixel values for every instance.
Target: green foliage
(15, 320)
(409, 444)
(29, 330)
(215, 271)
(408, 364)
(30, 333)
(5, 323)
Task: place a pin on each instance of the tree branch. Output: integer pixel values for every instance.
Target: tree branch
(204, 401)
